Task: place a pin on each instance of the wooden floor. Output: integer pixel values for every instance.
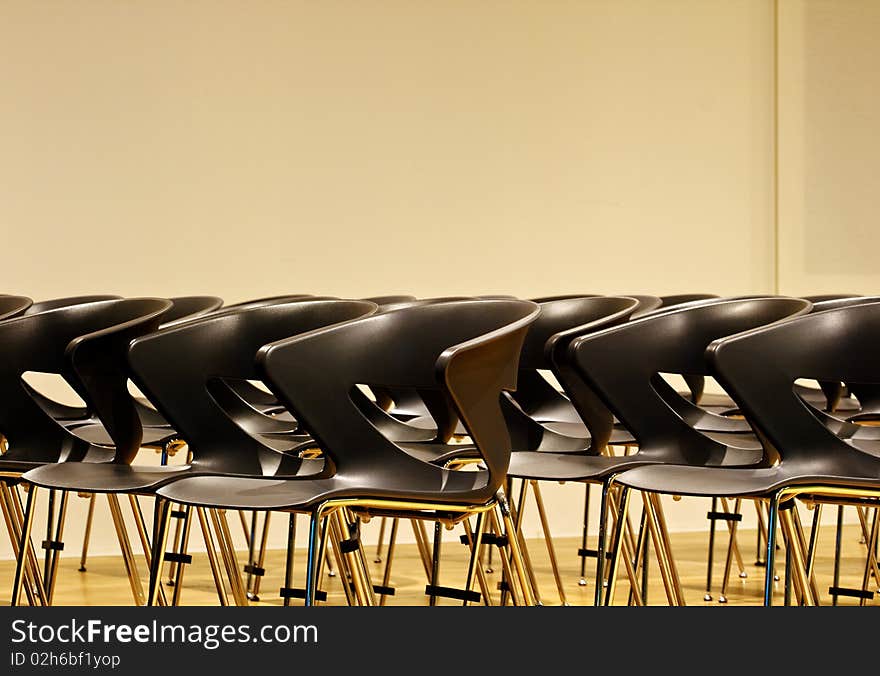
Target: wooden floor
(105, 582)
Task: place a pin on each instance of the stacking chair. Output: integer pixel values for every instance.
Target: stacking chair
(466, 350)
(803, 457)
(185, 391)
(86, 344)
(622, 367)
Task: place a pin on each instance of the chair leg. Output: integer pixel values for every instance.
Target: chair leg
(57, 538)
(26, 526)
(312, 563)
(548, 540)
(583, 581)
(161, 518)
(392, 540)
(731, 550)
(435, 562)
(814, 538)
(224, 539)
(476, 542)
(480, 573)
(600, 545)
(33, 575)
(668, 571)
(212, 555)
(772, 518)
(14, 538)
(513, 543)
(346, 577)
(422, 544)
(380, 540)
(871, 542)
(87, 534)
(517, 516)
(184, 546)
(288, 562)
(128, 559)
(617, 543)
(838, 541)
(708, 595)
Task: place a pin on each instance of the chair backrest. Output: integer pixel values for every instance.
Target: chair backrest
(189, 307)
(86, 344)
(759, 368)
(821, 298)
(646, 303)
(623, 366)
(469, 350)
(182, 371)
(10, 306)
(564, 296)
(55, 303)
(545, 348)
(389, 300)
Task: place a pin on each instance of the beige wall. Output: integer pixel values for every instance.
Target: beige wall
(829, 152)
(358, 148)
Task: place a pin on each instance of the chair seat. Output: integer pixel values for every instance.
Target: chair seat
(724, 482)
(96, 434)
(110, 477)
(104, 477)
(305, 494)
(437, 453)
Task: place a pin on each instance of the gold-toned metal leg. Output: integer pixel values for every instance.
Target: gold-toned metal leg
(141, 527)
(162, 515)
(33, 566)
(392, 540)
(507, 573)
(184, 546)
(14, 537)
(476, 546)
(731, 548)
(548, 540)
(361, 559)
(379, 544)
(128, 560)
(345, 578)
(87, 534)
(422, 543)
(212, 555)
(26, 526)
(261, 556)
(627, 543)
(516, 516)
(224, 538)
(802, 553)
(618, 544)
(655, 529)
(664, 534)
(480, 572)
(513, 543)
(871, 542)
(59, 534)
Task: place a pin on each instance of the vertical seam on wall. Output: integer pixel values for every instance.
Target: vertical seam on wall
(776, 146)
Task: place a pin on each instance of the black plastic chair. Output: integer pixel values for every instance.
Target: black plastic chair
(467, 350)
(803, 455)
(87, 345)
(621, 365)
(185, 391)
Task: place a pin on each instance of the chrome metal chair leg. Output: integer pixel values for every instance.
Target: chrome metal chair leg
(184, 546)
(517, 515)
(288, 562)
(33, 576)
(838, 537)
(871, 542)
(476, 543)
(708, 595)
(480, 572)
(814, 537)
(731, 550)
(513, 543)
(14, 539)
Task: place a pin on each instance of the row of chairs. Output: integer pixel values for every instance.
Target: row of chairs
(437, 411)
